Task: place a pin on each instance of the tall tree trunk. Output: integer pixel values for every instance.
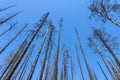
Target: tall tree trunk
(115, 71)
(71, 64)
(8, 18)
(13, 39)
(55, 71)
(47, 75)
(79, 63)
(11, 26)
(37, 57)
(24, 63)
(3, 9)
(102, 71)
(83, 54)
(47, 50)
(26, 48)
(14, 58)
(109, 49)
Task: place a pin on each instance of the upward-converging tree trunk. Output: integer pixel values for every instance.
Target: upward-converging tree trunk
(8, 18)
(11, 26)
(105, 9)
(24, 65)
(26, 48)
(79, 63)
(114, 70)
(107, 47)
(100, 53)
(37, 57)
(72, 68)
(83, 54)
(102, 71)
(48, 68)
(13, 59)
(49, 43)
(55, 69)
(13, 39)
(3, 9)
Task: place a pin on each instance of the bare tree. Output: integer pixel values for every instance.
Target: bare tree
(6, 8)
(55, 71)
(102, 71)
(106, 10)
(26, 48)
(109, 42)
(13, 39)
(80, 66)
(37, 57)
(83, 54)
(13, 59)
(72, 68)
(97, 49)
(10, 17)
(11, 26)
(23, 64)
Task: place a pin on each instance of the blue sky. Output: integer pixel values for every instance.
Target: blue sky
(75, 13)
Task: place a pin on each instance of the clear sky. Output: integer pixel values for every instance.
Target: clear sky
(75, 13)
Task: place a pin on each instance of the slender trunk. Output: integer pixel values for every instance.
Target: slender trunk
(48, 65)
(109, 49)
(3, 9)
(8, 18)
(115, 71)
(79, 63)
(103, 57)
(102, 71)
(110, 72)
(23, 64)
(26, 48)
(11, 26)
(108, 18)
(37, 57)
(46, 51)
(61, 74)
(13, 39)
(71, 63)
(83, 54)
(13, 59)
(55, 71)
(65, 66)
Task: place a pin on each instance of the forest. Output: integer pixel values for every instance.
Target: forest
(38, 51)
